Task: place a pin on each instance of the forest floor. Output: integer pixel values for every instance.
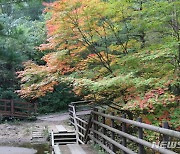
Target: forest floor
(21, 132)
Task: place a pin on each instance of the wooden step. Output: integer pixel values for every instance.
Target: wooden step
(37, 132)
(76, 149)
(57, 149)
(61, 128)
(64, 143)
(88, 149)
(64, 149)
(65, 134)
(37, 135)
(64, 139)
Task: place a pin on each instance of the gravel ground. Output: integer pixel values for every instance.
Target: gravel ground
(20, 132)
(16, 150)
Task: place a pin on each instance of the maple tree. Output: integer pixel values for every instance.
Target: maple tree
(78, 25)
(109, 51)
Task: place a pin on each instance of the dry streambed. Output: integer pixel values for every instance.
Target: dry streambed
(16, 150)
(20, 134)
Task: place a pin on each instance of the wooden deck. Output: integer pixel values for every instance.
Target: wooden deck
(96, 130)
(93, 128)
(64, 141)
(75, 149)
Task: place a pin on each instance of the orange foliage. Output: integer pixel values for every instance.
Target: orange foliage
(72, 30)
(146, 120)
(164, 116)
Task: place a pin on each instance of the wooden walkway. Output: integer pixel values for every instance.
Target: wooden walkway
(75, 149)
(64, 141)
(113, 134)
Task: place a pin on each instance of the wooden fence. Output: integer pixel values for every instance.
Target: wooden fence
(80, 124)
(118, 134)
(12, 108)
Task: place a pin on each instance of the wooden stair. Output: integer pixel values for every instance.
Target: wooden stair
(38, 132)
(73, 149)
(61, 136)
(64, 138)
(70, 149)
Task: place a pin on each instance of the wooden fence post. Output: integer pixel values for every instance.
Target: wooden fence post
(12, 107)
(104, 129)
(140, 135)
(86, 137)
(71, 115)
(5, 108)
(112, 133)
(95, 118)
(74, 107)
(165, 137)
(81, 131)
(83, 125)
(75, 123)
(124, 143)
(35, 108)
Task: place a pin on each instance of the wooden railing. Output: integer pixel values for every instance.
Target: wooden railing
(120, 135)
(79, 123)
(12, 108)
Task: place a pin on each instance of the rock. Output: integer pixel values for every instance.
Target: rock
(14, 128)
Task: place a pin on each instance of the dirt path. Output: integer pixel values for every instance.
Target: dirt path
(59, 117)
(20, 132)
(54, 117)
(16, 150)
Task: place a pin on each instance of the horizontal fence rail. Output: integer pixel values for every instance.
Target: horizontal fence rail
(99, 124)
(80, 124)
(142, 125)
(13, 108)
(118, 134)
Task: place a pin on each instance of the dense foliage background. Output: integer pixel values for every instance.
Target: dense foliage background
(22, 29)
(126, 52)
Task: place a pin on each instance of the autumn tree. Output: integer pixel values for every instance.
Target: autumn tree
(163, 20)
(136, 42)
(88, 25)
(86, 33)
